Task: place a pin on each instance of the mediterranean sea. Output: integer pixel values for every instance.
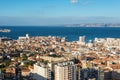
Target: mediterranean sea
(71, 33)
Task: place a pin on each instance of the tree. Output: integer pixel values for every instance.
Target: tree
(24, 57)
(46, 62)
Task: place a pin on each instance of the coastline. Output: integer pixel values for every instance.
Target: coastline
(71, 33)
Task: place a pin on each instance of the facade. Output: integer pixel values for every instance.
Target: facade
(65, 71)
(88, 74)
(41, 72)
(10, 73)
(82, 38)
(25, 72)
(24, 37)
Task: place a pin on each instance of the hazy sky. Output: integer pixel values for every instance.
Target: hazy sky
(50, 12)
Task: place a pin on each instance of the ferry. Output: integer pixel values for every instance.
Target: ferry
(5, 30)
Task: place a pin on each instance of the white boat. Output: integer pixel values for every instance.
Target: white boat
(5, 30)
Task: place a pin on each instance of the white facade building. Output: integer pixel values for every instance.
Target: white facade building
(81, 40)
(65, 71)
(41, 72)
(24, 37)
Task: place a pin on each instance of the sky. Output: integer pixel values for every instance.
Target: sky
(57, 12)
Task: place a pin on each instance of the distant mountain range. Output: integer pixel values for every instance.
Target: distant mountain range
(60, 21)
(94, 25)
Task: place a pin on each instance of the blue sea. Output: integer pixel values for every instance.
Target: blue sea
(71, 33)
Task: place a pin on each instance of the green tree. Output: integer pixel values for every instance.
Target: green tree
(46, 62)
(23, 57)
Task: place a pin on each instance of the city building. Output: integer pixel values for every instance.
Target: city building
(24, 37)
(65, 71)
(81, 40)
(88, 74)
(41, 71)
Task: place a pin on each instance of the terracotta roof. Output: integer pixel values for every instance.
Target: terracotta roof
(25, 70)
(115, 66)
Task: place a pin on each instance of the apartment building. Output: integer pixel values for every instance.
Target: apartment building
(41, 72)
(65, 71)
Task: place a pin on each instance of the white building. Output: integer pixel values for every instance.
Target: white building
(81, 40)
(65, 71)
(90, 44)
(24, 37)
(41, 72)
(0, 39)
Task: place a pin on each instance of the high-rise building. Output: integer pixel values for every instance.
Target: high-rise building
(0, 39)
(82, 38)
(27, 36)
(65, 71)
(41, 72)
(88, 74)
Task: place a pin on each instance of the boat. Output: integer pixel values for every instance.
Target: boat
(5, 30)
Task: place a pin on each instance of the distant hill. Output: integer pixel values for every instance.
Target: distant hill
(94, 25)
